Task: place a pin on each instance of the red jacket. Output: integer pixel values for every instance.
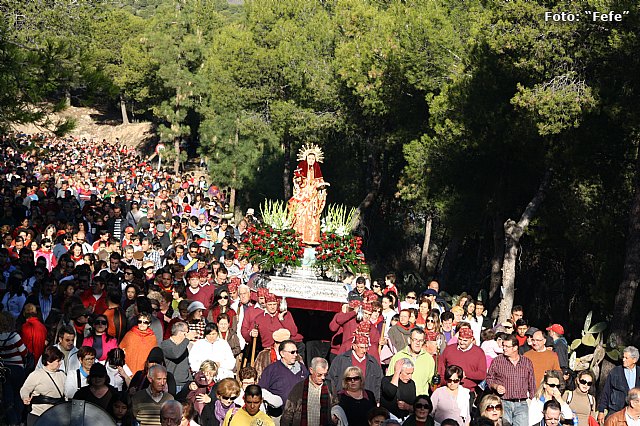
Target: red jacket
(34, 334)
(267, 324)
(345, 324)
(99, 306)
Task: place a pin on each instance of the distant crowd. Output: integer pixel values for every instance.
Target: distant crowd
(132, 289)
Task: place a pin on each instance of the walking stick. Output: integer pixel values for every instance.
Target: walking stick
(253, 349)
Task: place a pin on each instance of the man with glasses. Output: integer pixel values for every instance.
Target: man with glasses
(542, 358)
(310, 398)
(511, 377)
(424, 365)
(189, 260)
(467, 356)
(281, 376)
(629, 415)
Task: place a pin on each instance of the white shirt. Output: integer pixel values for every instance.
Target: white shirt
(218, 351)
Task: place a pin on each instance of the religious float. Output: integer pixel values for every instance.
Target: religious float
(302, 250)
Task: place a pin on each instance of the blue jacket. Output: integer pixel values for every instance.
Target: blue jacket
(615, 390)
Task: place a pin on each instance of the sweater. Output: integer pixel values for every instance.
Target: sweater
(267, 324)
(34, 334)
(344, 326)
(176, 358)
(542, 361)
(145, 409)
(39, 383)
(473, 362)
(278, 379)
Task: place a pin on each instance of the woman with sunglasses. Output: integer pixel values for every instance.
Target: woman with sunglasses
(422, 407)
(550, 388)
(424, 308)
(214, 412)
(138, 342)
(221, 305)
(434, 341)
(354, 399)
(491, 408)
(99, 339)
(581, 400)
(452, 401)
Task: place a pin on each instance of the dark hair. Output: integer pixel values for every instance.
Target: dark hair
(253, 390)
(51, 354)
(447, 315)
(522, 322)
(116, 357)
(517, 308)
(114, 295)
(66, 329)
(211, 326)
(427, 399)
(511, 338)
(378, 411)
(86, 350)
(449, 422)
(361, 280)
(223, 316)
(284, 344)
(248, 373)
(451, 370)
(552, 404)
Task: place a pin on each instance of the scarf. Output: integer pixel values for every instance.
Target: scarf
(407, 327)
(273, 356)
(220, 411)
(325, 409)
(141, 333)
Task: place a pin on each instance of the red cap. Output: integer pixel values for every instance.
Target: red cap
(361, 339)
(262, 292)
(187, 209)
(129, 229)
(270, 297)
(354, 304)
(60, 232)
(465, 333)
(556, 328)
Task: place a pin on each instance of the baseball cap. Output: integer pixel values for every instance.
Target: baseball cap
(556, 328)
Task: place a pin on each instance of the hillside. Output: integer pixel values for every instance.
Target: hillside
(91, 123)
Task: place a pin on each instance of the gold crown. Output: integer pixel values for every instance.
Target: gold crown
(310, 149)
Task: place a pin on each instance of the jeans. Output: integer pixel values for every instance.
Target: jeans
(515, 413)
(11, 394)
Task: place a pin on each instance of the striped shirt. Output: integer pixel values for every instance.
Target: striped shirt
(12, 349)
(517, 379)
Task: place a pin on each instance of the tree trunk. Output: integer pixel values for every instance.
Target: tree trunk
(372, 191)
(496, 266)
(286, 171)
(622, 310)
(67, 97)
(451, 254)
(176, 162)
(424, 255)
(513, 231)
(123, 110)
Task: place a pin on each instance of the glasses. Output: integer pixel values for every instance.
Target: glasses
(417, 340)
(495, 407)
(430, 320)
(100, 322)
(376, 286)
(538, 340)
(128, 273)
(508, 346)
(228, 398)
(293, 352)
(419, 406)
(144, 322)
(411, 297)
(553, 385)
(585, 382)
(353, 379)
(224, 297)
(453, 380)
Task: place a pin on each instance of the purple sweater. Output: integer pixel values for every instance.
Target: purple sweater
(279, 380)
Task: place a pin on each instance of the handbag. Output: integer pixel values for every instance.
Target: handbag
(593, 421)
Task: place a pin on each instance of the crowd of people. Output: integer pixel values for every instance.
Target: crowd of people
(131, 288)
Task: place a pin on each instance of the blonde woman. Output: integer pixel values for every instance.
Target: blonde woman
(550, 388)
(491, 408)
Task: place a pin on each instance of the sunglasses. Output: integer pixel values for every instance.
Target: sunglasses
(494, 407)
(453, 380)
(430, 320)
(419, 406)
(228, 398)
(144, 322)
(353, 379)
(100, 322)
(585, 382)
(376, 286)
(411, 297)
(224, 297)
(553, 385)
(293, 352)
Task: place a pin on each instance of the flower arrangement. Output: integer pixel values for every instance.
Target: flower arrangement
(338, 220)
(340, 252)
(272, 248)
(277, 215)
